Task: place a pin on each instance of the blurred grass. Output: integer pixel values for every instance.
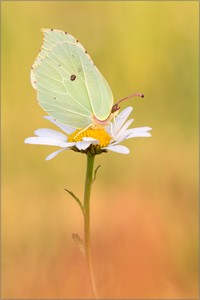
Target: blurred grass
(144, 205)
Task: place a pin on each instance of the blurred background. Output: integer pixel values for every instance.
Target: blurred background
(144, 205)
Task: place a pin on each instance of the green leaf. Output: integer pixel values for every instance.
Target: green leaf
(76, 199)
(95, 173)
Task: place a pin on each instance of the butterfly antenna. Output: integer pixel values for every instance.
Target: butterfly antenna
(116, 105)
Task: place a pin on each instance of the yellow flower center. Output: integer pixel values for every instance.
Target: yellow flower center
(99, 134)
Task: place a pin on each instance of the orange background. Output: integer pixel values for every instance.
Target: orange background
(144, 206)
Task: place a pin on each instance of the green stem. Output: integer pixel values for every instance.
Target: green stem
(88, 185)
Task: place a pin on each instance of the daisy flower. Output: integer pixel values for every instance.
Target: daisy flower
(94, 141)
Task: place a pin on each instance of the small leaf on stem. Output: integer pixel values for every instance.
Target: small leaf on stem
(95, 173)
(76, 199)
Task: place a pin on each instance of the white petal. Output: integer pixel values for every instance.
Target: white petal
(118, 122)
(144, 128)
(50, 133)
(122, 117)
(118, 141)
(86, 142)
(139, 132)
(125, 112)
(46, 141)
(65, 128)
(123, 129)
(118, 148)
(92, 140)
(67, 144)
(42, 141)
(82, 145)
(108, 128)
(52, 155)
(131, 133)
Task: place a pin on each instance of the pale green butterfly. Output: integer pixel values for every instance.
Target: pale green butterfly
(69, 86)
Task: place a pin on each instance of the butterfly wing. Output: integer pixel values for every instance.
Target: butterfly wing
(69, 87)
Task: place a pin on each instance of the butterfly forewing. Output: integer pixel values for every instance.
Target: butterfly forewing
(69, 87)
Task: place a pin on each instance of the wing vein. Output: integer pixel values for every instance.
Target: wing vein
(68, 110)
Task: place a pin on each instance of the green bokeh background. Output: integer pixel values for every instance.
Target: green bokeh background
(144, 205)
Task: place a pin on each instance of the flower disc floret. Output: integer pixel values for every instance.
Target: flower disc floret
(98, 134)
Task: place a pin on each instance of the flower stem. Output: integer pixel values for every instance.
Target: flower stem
(88, 185)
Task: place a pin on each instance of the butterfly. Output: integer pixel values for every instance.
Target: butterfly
(69, 86)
